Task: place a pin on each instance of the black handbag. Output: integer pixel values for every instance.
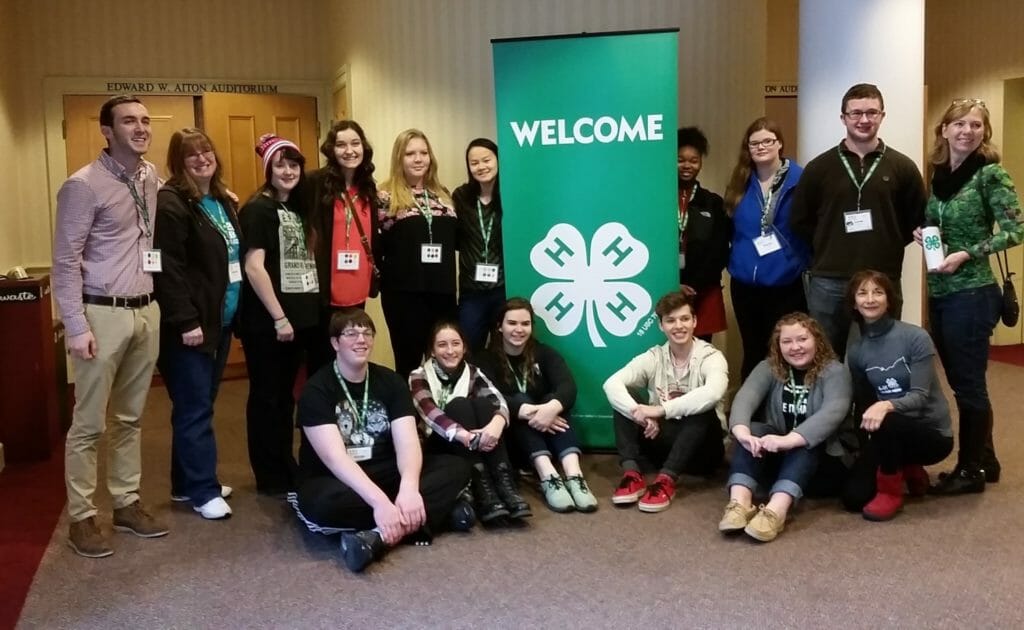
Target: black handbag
(1010, 311)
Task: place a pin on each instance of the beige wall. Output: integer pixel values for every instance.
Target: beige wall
(224, 39)
(10, 234)
(428, 64)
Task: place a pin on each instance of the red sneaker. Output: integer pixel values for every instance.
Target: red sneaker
(659, 494)
(889, 499)
(917, 480)
(630, 489)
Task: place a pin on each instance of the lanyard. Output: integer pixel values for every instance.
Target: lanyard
(221, 223)
(684, 211)
(349, 215)
(444, 395)
(140, 203)
(800, 394)
(767, 206)
(942, 209)
(428, 215)
(520, 383)
(485, 232)
(849, 171)
(360, 414)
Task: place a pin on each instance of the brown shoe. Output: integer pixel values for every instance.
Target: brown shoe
(135, 519)
(87, 539)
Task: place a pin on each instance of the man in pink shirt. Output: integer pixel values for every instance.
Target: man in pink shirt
(103, 261)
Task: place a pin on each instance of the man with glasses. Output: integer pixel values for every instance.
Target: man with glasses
(103, 261)
(361, 468)
(858, 205)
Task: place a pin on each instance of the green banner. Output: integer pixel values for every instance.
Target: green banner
(586, 127)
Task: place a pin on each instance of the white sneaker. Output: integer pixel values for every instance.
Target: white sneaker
(214, 509)
(225, 492)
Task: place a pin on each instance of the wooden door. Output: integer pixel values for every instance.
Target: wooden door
(235, 121)
(83, 140)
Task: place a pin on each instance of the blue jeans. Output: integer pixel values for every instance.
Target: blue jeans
(478, 314)
(961, 324)
(192, 379)
(531, 443)
(826, 303)
(790, 470)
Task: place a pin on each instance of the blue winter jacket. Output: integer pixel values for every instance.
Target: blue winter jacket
(778, 268)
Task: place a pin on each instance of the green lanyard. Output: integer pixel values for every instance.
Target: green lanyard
(849, 171)
(222, 225)
(360, 414)
(485, 232)
(444, 396)
(428, 216)
(140, 203)
(767, 206)
(520, 383)
(799, 396)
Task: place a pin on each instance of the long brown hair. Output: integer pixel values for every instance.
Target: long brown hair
(497, 345)
(183, 143)
(823, 353)
(744, 165)
(396, 186)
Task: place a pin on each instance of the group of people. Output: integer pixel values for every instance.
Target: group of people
(146, 277)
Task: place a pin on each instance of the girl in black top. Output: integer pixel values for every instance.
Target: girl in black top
(481, 265)
(281, 310)
(540, 392)
(417, 253)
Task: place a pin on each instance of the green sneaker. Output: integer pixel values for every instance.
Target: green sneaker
(555, 494)
(582, 497)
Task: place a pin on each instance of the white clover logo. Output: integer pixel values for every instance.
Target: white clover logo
(590, 284)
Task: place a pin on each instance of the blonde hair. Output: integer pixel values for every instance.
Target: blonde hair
(397, 188)
(957, 110)
(823, 353)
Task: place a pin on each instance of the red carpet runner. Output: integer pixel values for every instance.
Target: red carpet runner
(31, 499)
(1008, 354)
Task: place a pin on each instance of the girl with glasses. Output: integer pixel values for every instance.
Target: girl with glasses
(767, 260)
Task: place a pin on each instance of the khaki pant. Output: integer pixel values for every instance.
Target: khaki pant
(112, 384)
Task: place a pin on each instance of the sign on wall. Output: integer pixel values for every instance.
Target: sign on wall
(586, 131)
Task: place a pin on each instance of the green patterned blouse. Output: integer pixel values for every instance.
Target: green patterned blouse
(966, 222)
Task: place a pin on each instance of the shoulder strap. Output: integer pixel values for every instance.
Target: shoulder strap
(362, 234)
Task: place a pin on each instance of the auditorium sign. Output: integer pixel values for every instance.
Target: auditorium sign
(128, 86)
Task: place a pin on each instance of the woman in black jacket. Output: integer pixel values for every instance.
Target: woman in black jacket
(198, 234)
(705, 232)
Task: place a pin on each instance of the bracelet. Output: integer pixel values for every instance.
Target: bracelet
(280, 323)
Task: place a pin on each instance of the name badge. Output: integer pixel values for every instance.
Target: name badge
(682, 260)
(766, 244)
(310, 284)
(348, 260)
(858, 221)
(486, 273)
(360, 453)
(430, 253)
(234, 271)
(152, 260)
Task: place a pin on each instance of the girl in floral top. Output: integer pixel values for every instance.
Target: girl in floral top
(970, 192)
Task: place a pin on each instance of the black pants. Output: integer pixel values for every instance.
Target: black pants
(270, 408)
(328, 502)
(757, 310)
(411, 316)
(472, 414)
(692, 445)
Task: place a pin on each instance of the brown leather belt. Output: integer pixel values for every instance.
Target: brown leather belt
(118, 301)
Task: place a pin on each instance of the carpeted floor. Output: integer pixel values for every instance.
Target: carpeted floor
(943, 563)
(1013, 354)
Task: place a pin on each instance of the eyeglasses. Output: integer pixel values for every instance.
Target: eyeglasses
(857, 114)
(767, 143)
(207, 155)
(957, 102)
(351, 334)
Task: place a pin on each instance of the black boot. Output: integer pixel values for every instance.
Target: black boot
(967, 477)
(989, 462)
(505, 481)
(489, 505)
(358, 549)
(463, 517)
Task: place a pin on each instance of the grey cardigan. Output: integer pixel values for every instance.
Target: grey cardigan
(827, 405)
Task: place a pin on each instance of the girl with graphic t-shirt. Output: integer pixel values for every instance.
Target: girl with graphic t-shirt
(467, 416)
(784, 418)
(345, 233)
(417, 260)
(280, 310)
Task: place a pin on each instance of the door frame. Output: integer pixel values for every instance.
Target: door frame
(54, 89)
